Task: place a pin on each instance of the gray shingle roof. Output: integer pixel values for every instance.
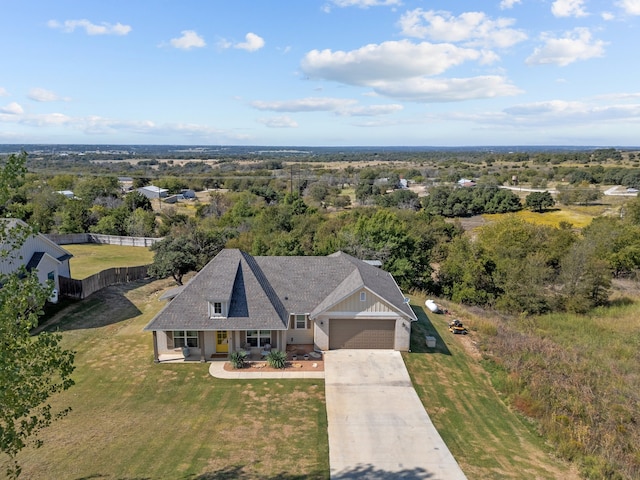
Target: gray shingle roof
(262, 291)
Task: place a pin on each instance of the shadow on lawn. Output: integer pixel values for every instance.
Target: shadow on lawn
(368, 472)
(422, 328)
(105, 307)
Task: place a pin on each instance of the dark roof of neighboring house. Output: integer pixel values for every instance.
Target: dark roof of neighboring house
(262, 291)
(34, 260)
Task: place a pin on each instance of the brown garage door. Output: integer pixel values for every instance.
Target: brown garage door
(350, 333)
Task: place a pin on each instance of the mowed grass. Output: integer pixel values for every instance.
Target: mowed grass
(487, 439)
(91, 258)
(133, 419)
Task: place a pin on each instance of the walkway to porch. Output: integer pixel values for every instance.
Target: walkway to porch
(217, 369)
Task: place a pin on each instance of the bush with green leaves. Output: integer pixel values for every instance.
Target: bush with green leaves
(238, 359)
(277, 359)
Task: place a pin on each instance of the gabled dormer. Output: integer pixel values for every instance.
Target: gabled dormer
(218, 308)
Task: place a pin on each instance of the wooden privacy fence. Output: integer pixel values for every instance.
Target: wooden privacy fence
(112, 276)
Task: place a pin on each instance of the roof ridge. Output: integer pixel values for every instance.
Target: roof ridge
(266, 286)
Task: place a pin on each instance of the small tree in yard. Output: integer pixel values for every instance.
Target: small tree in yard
(32, 368)
(539, 201)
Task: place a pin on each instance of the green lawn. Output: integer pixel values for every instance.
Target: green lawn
(133, 419)
(91, 258)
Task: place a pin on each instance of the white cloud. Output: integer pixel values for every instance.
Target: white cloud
(278, 122)
(189, 39)
(339, 106)
(600, 111)
(393, 60)
(437, 90)
(309, 104)
(546, 107)
(12, 109)
(366, 3)
(96, 125)
(42, 95)
(471, 28)
(607, 16)
(252, 43)
(373, 110)
(90, 28)
(3, 92)
(568, 8)
(631, 7)
(38, 120)
(506, 4)
(400, 70)
(618, 97)
(575, 45)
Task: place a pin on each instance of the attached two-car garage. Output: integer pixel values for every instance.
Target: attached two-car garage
(362, 333)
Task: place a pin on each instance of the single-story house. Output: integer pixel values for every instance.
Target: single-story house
(38, 253)
(238, 302)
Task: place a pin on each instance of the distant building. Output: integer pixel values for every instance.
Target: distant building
(151, 192)
(66, 193)
(465, 182)
(126, 183)
(37, 253)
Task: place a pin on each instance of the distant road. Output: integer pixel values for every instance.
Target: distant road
(521, 189)
(616, 190)
(623, 193)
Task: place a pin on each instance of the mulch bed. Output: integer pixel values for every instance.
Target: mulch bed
(293, 366)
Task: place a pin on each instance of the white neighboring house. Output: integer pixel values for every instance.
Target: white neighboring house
(37, 253)
(67, 193)
(151, 192)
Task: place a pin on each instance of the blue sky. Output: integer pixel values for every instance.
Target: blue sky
(320, 73)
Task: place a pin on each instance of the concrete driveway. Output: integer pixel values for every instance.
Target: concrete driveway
(378, 428)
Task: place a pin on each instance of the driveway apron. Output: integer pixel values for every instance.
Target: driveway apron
(378, 428)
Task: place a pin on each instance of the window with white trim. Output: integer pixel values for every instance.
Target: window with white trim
(363, 296)
(300, 322)
(183, 338)
(258, 338)
(217, 309)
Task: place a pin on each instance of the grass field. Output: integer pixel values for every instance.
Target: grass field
(90, 258)
(133, 419)
(488, 440)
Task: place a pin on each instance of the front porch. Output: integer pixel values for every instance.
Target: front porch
(295, 353)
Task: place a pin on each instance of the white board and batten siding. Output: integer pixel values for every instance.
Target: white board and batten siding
(370, 304)
(368, 322)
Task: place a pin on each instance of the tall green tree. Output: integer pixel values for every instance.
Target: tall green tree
(32, 368)
(185, 250)
(12, 174)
